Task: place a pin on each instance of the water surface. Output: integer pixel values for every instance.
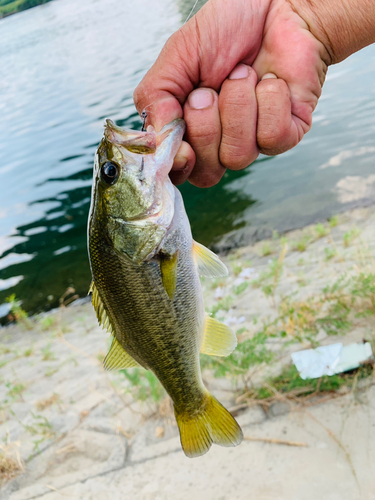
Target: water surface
(67, 65)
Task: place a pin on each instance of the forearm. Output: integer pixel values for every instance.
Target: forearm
(343, 26)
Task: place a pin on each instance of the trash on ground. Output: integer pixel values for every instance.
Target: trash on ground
(331, 359)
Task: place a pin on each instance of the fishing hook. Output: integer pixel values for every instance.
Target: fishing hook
(143, 116)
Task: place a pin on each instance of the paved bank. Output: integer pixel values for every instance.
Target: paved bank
(80, 432)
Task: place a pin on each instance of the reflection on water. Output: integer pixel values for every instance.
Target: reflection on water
(66, 66)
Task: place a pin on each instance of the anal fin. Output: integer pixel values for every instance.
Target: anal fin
(117, 358)
(219, 339)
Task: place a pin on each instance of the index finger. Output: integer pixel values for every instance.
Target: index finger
(165, 87)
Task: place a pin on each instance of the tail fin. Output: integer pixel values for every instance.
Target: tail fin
(213, 425)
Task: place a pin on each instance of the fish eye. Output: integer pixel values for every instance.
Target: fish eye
(110, 172)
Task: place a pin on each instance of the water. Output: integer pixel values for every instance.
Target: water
(67, 65)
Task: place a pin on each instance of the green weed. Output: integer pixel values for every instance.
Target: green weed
(269, 279)
(266, 249)
(350, 236)
(16, 313)
(333, 221)
(241, 288)
(144, 385)
(321, 231)
(14, 390)
(302, 243)
(47, 321)
(330, 252)
(223, 305)
(289, 382)
(247, 354)
(236, 268)
(28, 352)
(48, 355)
(41, 427)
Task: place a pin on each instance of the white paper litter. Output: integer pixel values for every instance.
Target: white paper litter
(330, 359)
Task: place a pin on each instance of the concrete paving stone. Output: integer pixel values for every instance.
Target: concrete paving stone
(83, 454)
(254, 415)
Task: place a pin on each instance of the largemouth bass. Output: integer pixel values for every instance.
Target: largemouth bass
(146, 289)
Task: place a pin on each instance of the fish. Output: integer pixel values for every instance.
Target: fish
(145, 286)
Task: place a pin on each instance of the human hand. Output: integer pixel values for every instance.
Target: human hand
(245, 75)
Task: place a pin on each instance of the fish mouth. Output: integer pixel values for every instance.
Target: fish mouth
(143, 143)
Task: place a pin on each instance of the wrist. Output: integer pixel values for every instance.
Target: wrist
(342, 26)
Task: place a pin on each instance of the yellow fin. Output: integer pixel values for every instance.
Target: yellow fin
(213, 425)
(117, 358)
(208, 263)
(101, 313)
(219, 339)
(168, 269)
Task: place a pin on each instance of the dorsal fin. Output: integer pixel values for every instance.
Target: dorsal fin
(219, 339)
(117, 358)
(101, 313)
(208, 263)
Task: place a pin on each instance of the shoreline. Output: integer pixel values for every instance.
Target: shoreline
(19, 6)
(249, 235)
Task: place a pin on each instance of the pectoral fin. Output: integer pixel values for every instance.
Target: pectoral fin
(209, 264)
(219, 339)
(168, 269)
(117, 358)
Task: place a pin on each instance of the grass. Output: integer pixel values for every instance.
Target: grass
(240, 288)
(144, 385)
(292, 386)
(320, 231)
(333, 221)
(301, 244)
(236, 268)
(270, 278)
(222, 305)
(40, 428)
(330, 253)
(8, 7)
(350, 236)
(10, 462)
(249, 353)
(266, 249)
(16, 313)
(47, 402)
(47, 354)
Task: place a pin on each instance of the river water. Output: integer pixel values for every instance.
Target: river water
(67, 65)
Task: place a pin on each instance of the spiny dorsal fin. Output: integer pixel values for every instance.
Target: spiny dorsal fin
(101, 313)
(219, 339)
(117, 358)
(209, 264)
(168, 269)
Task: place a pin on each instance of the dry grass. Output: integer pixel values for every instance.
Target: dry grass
(10, 461)
(42, 404)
